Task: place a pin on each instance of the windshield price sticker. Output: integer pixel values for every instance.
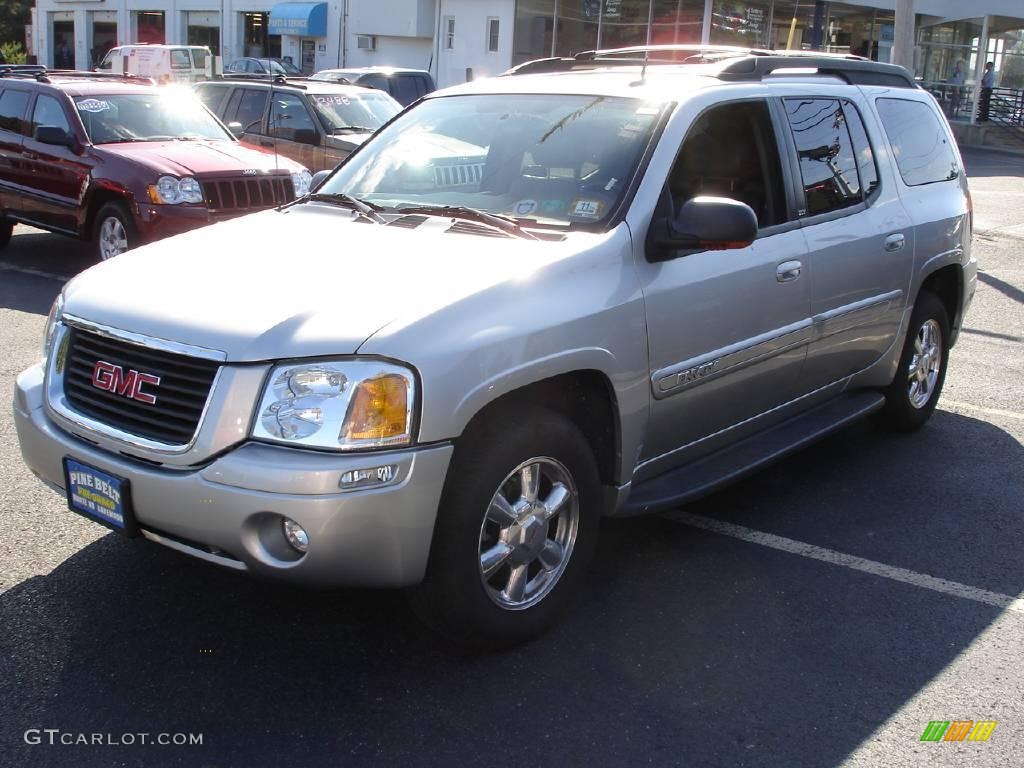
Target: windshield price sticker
(333, 100)
(93, 105)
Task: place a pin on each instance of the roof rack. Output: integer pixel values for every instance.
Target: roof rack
(265, 77)
(87, 74)
(737, 64)
(34, 71)
(854, 70)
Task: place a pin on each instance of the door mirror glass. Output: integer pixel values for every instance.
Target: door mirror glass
(51, 134)
(709, 223)
(237, 129)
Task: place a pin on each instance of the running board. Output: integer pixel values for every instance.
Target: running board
(691, 481)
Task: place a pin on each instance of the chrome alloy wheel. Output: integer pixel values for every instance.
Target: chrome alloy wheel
(113, 239)
(925, 364)
(528, 533)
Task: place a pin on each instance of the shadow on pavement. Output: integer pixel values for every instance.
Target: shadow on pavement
(686, 648)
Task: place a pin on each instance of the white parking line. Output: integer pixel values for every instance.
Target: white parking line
(783, 544)
(955, 405)
(35, 272)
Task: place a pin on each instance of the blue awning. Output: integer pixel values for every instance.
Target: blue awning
(299, 19)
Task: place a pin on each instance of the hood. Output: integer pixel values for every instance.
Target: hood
(347, 141)
(191, 158)
(307, 281)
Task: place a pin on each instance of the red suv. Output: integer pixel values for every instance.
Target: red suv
(121, 161)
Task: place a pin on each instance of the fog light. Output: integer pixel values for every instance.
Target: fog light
(295, 534)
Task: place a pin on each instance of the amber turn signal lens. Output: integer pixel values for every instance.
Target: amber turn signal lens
(379, 410)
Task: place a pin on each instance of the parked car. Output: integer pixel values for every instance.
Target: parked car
(262, 66)
(122, 161)
(400, 383)
(404, 85)
(163, 63)
(315, 124)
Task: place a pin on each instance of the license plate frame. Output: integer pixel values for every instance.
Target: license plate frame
(99, 496)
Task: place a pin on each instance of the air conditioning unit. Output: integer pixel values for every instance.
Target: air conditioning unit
(366, 42)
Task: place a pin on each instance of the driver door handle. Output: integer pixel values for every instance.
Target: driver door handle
(788, 271)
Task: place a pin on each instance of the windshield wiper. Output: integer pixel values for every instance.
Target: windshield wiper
(354, 128)
(364, 208)
(505, 224)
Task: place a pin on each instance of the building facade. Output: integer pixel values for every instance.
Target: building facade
(461, 39)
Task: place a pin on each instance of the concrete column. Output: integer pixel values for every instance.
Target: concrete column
(903, 43)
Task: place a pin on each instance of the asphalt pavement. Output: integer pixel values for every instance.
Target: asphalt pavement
(820, 613)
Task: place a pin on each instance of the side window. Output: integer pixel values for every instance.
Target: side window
(48, 111)
(375, 81)
(180, 59)
(199, 55)
(250, 110)
(919, 142)
(12, 110)
(731, 151)
(230, 111)
(292, 121)
(862, 147)
(827, 163)
(407, 92)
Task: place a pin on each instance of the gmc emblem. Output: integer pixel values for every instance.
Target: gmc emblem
(112, 378)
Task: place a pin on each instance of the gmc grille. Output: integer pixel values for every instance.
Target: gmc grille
(181, 396)
(251, 193)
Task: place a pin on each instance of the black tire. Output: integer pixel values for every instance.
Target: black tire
(110, 211)
(6, 230)
(900, 413)
(453, 599)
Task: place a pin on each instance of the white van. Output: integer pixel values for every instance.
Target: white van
(163, 63)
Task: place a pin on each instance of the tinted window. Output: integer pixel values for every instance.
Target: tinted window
(409, 88)
(12, 110)
(862, 146)
(250, 111)
(827, 162)
(232, 108)
(291, 119)
(375, 81)
(48, 111)
(730, 151)
(919, 142)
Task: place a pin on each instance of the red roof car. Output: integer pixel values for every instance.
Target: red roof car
(121, 161)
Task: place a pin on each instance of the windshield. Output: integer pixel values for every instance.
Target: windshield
(170, 113)
(550, 159)
(338, 111)
(281, 67)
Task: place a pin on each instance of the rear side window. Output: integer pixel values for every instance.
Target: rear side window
(48, 111)
(919, 142)
(180, 59)
(250, 111)
(828, 165)
(199, 55)
(212, 98)
(410, 88)
(375, 81)
(12, 110)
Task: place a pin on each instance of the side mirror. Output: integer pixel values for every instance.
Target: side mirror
(237, 129)
(318, 179)
(51, 134)
(707, 223)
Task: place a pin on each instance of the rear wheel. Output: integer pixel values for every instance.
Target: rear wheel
(515, 532)
(114, 231)
(914, 393)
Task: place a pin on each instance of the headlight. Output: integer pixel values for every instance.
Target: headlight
(51, 323)
(343, 405)
(301, 182)
(169, 190)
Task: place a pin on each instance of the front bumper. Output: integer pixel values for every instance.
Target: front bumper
(226, 511)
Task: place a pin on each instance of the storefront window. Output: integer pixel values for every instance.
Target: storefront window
(949, 52)
(743, 24)
(204, 29)
(676, 22)
(149, 27)
(257, 40)
(576, 28)
(1009, 59)
(624, 23)
(534, 30)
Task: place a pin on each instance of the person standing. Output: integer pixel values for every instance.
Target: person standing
(956, 83)
(988, 82)
(63, 58)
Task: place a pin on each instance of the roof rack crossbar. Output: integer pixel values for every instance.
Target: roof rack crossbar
(851, 69)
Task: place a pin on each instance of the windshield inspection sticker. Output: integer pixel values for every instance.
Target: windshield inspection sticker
(587, 209)
(524, 207)
(92, 105)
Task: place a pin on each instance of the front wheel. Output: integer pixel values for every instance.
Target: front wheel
(114, 231)
(914, 393)
(515, 532)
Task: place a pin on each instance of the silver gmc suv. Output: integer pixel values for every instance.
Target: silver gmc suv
(527, 302)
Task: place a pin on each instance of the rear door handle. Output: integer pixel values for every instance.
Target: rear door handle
(895, 242)
(788, 271)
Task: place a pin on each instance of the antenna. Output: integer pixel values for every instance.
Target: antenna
(273, 120)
